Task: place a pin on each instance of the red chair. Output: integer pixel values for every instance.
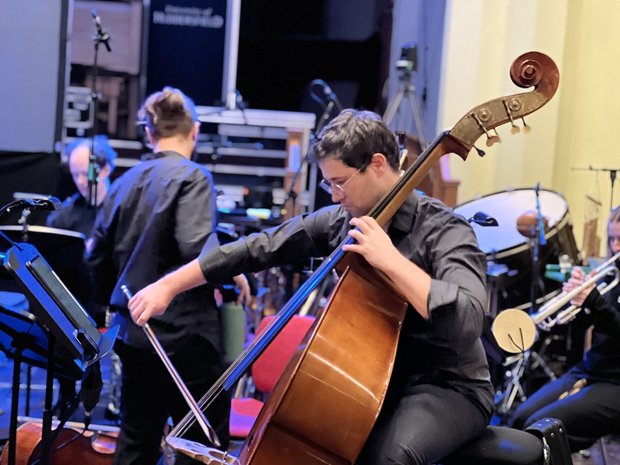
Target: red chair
(266, 370)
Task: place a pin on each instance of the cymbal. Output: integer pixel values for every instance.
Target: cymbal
(16, 231)
(61, 248)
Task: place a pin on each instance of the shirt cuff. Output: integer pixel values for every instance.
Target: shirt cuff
(441, 295)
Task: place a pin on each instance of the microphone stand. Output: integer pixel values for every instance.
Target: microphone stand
(613, 172)
(99, 37)
(291, 194)
(537, 241)
(524, 364)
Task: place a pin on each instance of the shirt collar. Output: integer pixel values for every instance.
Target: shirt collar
(405, 216)
(153, 156)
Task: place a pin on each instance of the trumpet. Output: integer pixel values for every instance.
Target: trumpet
(515, 330)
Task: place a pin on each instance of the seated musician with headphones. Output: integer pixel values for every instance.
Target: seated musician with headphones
(440, 394)
(76, 214)
(587, 397)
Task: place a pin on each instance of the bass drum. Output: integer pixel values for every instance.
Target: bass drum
(504, 245)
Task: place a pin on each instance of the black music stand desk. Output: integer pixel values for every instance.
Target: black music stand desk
(70, 331)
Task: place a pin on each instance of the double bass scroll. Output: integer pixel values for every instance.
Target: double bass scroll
(313, 415)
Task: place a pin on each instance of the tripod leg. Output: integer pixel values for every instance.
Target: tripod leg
(393, 106)
(417, 116)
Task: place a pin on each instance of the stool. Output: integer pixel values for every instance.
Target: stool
(499, 445)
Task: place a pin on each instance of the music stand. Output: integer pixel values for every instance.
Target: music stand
(24, 341)
(63, 321)
(62, 249)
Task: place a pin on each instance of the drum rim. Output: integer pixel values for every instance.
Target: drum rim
(524, 246)
(511, 190)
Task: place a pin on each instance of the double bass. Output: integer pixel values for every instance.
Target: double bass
(327, 400)
(72, 445)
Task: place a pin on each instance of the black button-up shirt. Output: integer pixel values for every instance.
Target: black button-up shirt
(602, 361)
(444, 350)
(156, 217)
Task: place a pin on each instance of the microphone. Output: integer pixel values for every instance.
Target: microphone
(90, 392)
(541, 226)
(328, 92)
(39, 203)
(101, 35)
(97, 19)
(483, 219)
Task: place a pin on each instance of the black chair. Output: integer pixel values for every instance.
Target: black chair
(544, 443)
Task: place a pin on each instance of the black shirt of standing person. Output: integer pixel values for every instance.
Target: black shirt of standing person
(157, 217)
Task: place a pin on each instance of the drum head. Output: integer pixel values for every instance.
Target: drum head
(506, 246)
(506, 207)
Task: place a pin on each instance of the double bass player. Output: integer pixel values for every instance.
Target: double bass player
(440, 394)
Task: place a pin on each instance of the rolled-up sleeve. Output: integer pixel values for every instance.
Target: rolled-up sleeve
(458, 281)
(292, 242)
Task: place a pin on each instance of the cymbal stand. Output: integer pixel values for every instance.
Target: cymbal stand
(537, 240)
(528, 360)
(513, 388)
(406, 90)
(613, 172)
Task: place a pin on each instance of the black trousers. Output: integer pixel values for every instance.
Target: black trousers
(590, 413)
(149, 396)
(425, 425)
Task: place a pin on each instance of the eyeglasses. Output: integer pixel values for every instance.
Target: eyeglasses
(332, 189)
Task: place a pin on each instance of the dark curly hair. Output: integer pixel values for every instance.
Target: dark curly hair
(353, 137)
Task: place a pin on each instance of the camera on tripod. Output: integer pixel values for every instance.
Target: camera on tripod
(406, 65)
(408, 61)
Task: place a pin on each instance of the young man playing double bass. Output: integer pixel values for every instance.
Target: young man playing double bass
(440, 394)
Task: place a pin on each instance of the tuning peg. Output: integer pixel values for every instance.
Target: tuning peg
(496, 139)
(493, 140)
(526, 128)
(481, 152)
(515, 129)
(490, 139)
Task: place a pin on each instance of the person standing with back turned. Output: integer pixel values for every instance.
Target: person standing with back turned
(156, 217)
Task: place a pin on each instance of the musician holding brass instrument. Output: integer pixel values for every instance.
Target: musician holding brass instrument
(587, 397)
